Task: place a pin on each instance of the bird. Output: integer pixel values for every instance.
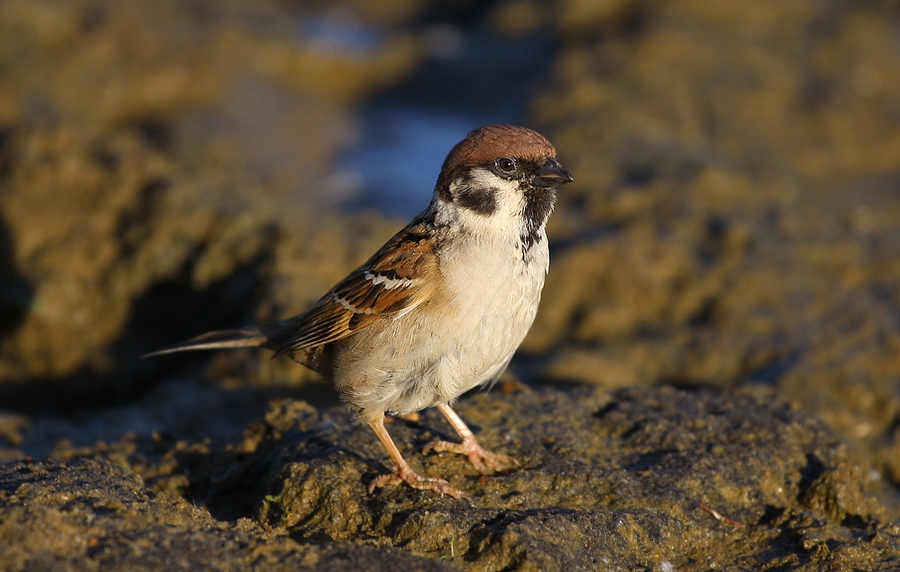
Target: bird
(441, 308)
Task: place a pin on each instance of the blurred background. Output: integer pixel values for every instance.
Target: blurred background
(172, 167)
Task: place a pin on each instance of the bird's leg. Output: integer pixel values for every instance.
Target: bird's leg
(404, 473)
(485, 461)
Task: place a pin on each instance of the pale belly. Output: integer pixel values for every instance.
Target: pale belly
(445, 347)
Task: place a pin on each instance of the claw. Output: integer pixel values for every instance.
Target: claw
(404, 473)
(485, 462)
(417, 481)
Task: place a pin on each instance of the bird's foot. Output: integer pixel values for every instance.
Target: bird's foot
(416, 481)
(486, 462)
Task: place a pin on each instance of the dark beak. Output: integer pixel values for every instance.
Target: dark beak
(551, 174)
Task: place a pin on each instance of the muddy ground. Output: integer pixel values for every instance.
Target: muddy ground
(713, 380)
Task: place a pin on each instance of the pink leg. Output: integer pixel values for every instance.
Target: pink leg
(483, 460)
(404, 473)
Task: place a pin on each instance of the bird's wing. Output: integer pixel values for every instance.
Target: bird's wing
(389, 285)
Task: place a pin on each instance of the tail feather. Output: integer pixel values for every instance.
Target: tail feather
(221, 339)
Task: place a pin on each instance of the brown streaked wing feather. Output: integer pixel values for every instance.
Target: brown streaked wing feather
(357, 302)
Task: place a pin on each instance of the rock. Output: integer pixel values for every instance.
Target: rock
(711, 381)
(89, 514)
(643, 477)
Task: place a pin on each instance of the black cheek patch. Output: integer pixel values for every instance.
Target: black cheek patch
(479, 200)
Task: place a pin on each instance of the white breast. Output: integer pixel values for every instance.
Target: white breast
(495, 299)
(461, 339)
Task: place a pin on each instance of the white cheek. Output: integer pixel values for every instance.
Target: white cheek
(505, 221)
(510, 200)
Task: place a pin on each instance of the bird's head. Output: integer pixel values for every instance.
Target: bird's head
(501, 177)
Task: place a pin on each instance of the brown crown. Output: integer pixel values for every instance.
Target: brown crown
(490, 142)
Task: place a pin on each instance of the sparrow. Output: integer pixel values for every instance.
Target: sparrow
(441, 308)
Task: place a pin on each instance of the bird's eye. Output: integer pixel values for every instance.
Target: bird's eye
(506, 165)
